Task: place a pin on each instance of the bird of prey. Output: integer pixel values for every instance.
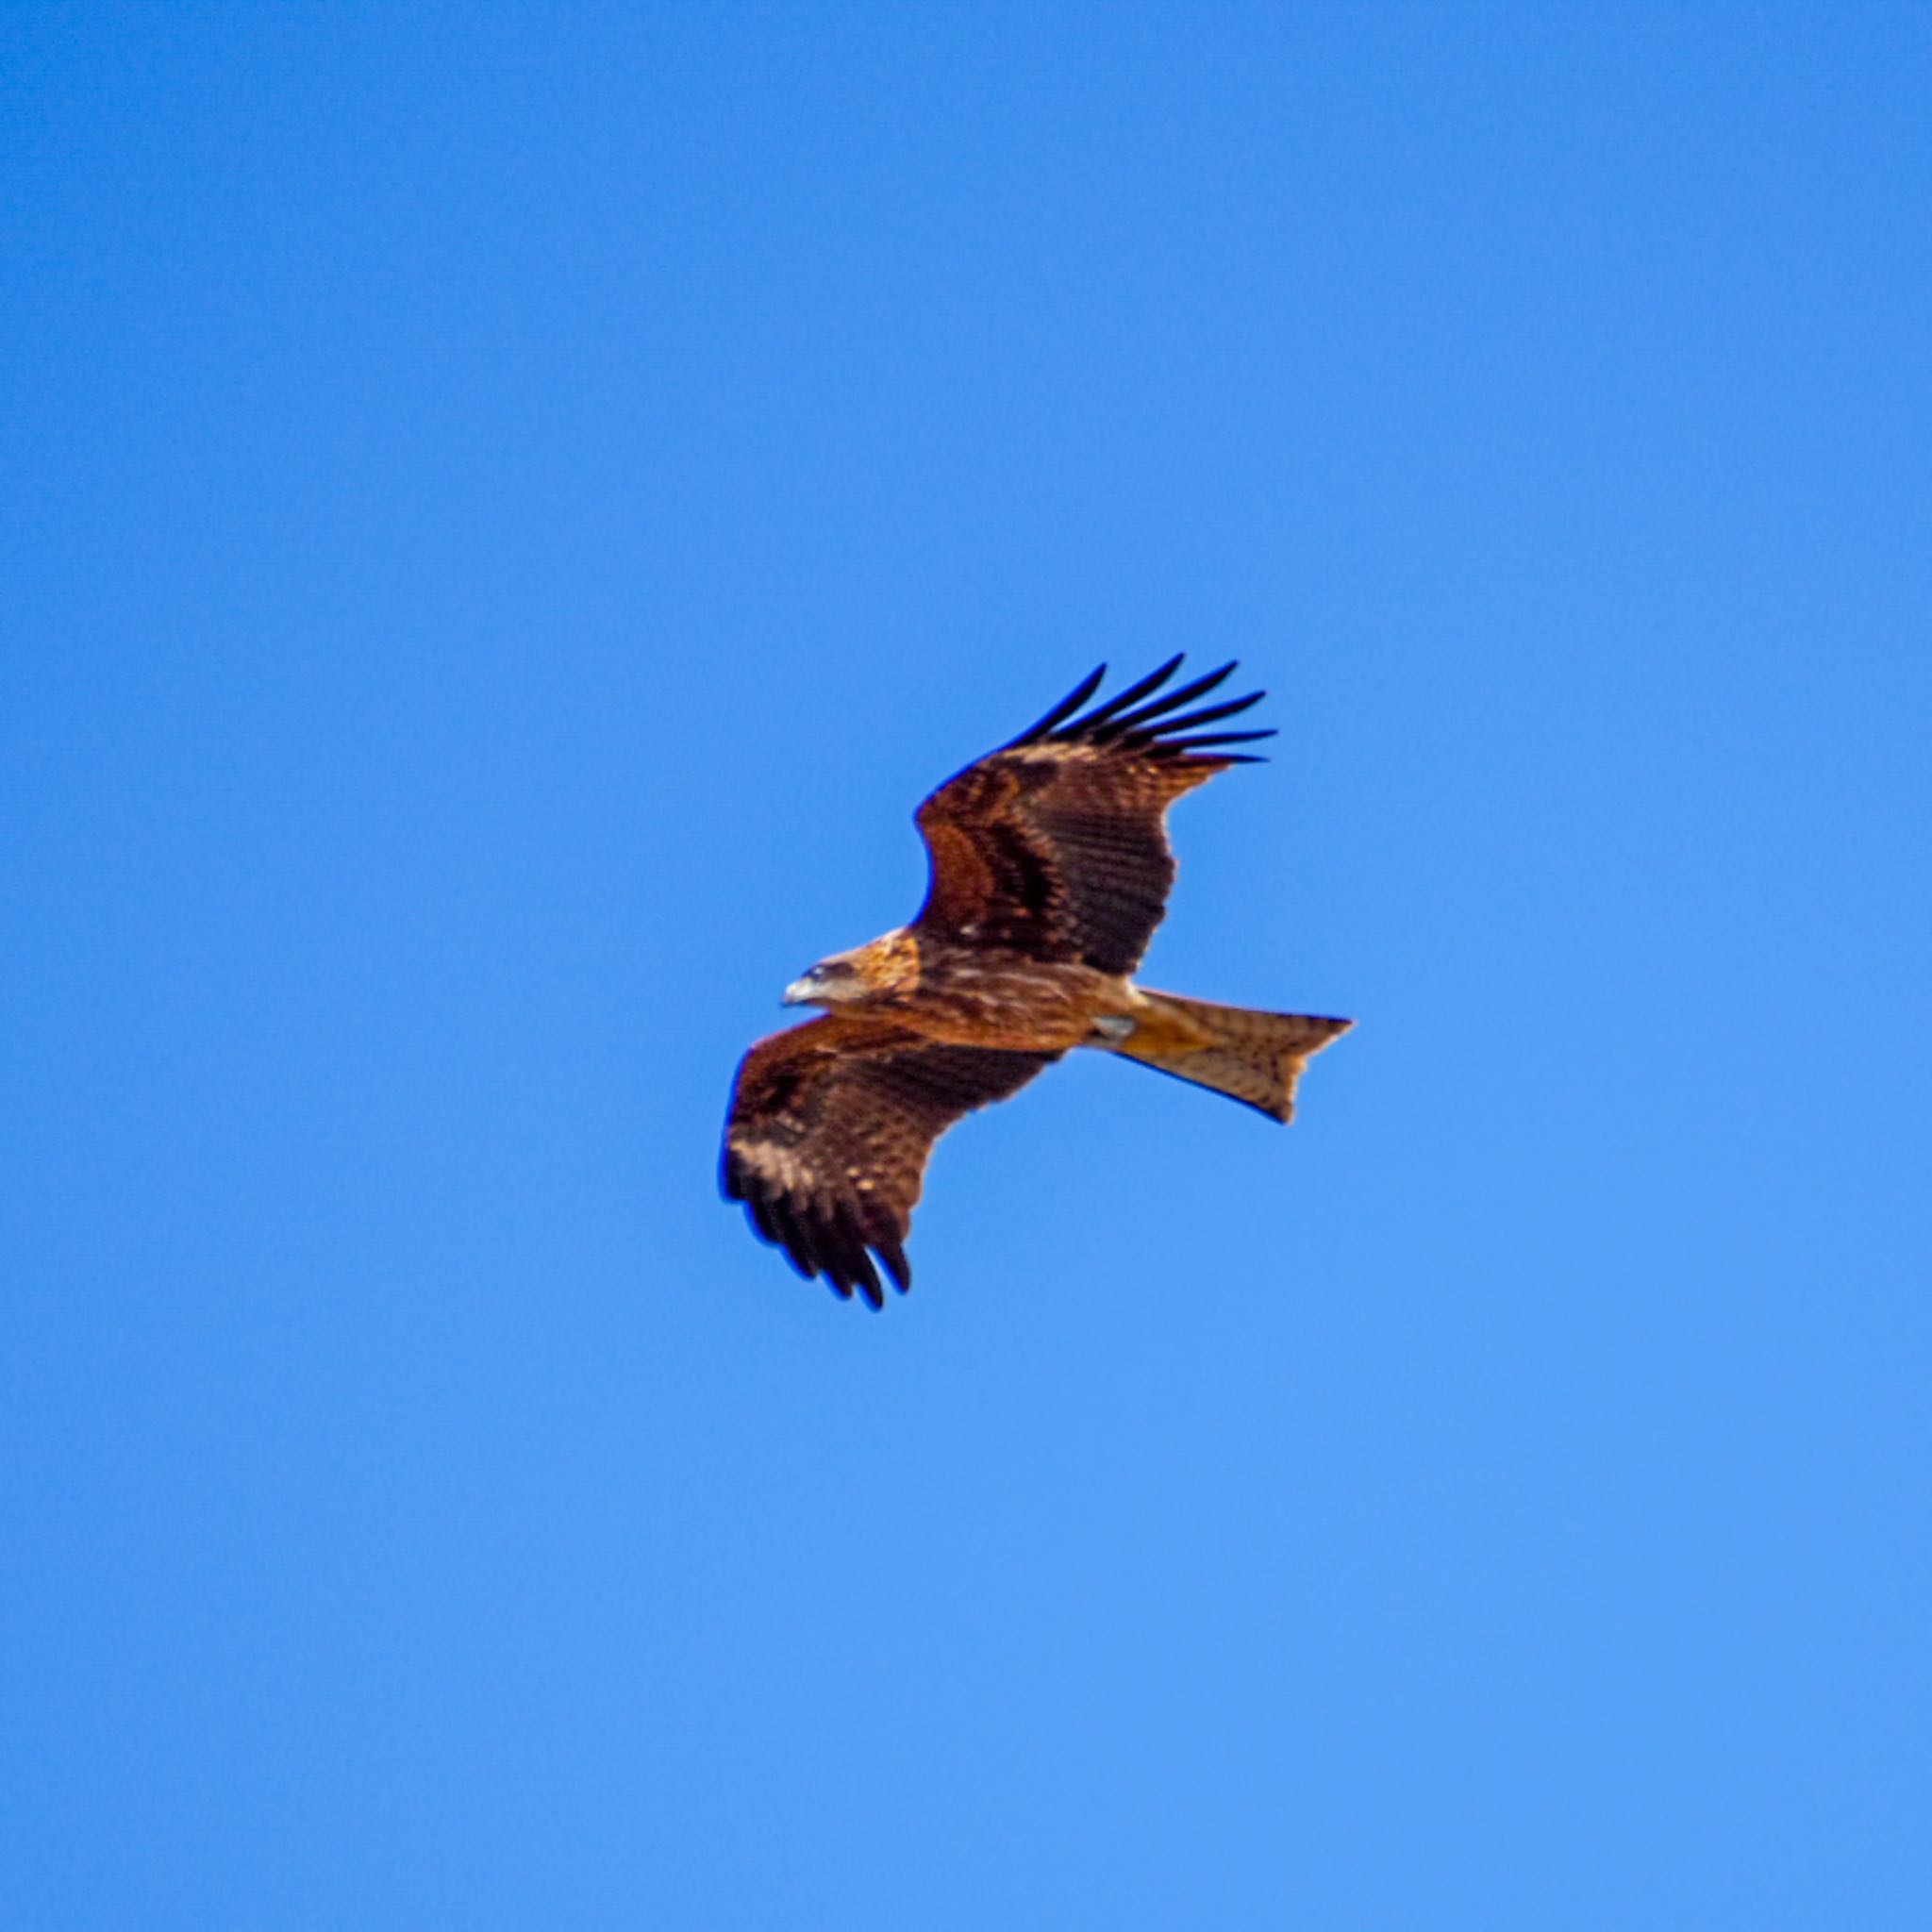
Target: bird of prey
(1050, 869)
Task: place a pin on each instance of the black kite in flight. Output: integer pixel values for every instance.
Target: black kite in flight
(1049, 872)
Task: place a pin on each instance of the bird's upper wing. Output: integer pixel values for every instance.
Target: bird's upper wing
(1054, 844)
(830, 1128)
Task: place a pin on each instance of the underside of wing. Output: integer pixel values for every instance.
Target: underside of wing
(1055, 845)
(830, 1128)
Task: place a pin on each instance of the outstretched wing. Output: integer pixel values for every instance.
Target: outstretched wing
(830, 1128)
(1055, 845)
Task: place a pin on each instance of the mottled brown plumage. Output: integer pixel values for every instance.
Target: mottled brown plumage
(832, 1124)
(1050, 871)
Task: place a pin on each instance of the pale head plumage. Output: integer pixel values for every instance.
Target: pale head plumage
(887, 964)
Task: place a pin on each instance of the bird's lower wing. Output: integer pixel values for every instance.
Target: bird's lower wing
(830, 1129)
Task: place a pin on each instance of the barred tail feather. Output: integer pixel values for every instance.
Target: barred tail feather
(1251, 1056)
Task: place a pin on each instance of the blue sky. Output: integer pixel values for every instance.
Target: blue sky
(508, 509)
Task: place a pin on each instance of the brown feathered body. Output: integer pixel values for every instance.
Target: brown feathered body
(969, 994)
(1050, 871)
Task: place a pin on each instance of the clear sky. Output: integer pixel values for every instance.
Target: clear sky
(505, 512)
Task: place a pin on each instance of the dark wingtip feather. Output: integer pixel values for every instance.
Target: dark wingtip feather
(1064, 710)
(1141, 722)
(795, 1239)
(857, 1260)
(832, 1246)
(1173, 700)
(1203, 737)
(1208, 714)
(1133, 694)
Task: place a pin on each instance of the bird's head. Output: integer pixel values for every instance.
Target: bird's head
(828, 984)
(886, 965)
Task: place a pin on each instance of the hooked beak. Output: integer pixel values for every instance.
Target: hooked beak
(800, 993)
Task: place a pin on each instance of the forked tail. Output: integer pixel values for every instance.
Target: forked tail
(1251, 1056)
